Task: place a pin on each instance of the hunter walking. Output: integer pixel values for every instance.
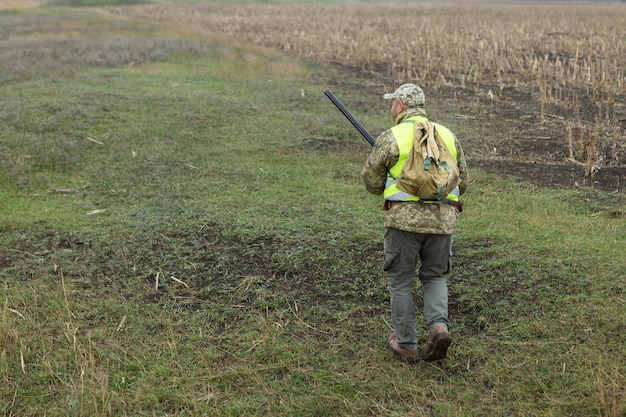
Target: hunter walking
(418, 231)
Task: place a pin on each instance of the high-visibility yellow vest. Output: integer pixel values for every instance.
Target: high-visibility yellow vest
(404, 133)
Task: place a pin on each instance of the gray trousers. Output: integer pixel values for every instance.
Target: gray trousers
(403, 251)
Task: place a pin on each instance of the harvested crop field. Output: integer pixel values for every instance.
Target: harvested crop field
(545, 84)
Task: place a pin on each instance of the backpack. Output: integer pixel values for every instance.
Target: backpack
(430, 171)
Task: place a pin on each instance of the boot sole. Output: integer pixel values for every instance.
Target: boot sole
(442, 343)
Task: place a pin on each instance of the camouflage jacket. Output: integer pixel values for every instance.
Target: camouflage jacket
(417, 217)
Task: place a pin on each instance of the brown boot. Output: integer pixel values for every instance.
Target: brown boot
(438, 342)
(409, 356)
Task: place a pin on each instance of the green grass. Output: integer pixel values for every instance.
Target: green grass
(224, 257)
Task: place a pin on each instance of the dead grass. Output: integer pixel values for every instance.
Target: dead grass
(20, 4)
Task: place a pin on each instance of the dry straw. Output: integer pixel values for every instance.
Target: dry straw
(20, 4)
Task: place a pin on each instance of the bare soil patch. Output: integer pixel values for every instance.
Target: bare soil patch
(536, 147)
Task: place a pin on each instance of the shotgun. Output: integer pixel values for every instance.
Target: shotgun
(368, 137)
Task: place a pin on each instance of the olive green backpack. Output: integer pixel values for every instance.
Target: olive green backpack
(431, 171)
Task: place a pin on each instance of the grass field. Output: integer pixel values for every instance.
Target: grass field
(184, 232)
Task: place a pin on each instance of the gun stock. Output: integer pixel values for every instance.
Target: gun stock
(368, 137)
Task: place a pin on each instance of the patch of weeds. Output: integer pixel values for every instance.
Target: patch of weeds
(47, 58)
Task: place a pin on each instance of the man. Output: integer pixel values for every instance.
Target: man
(414, 229)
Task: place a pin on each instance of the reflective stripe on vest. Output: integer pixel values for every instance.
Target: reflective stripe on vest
(404, 133)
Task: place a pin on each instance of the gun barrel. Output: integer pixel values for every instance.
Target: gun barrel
(368, 137)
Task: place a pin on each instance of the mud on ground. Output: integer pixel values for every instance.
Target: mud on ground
(521, 141)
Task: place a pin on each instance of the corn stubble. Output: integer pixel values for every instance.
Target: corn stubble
(564, 60)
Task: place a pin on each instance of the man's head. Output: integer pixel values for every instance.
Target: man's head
(408, 94)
